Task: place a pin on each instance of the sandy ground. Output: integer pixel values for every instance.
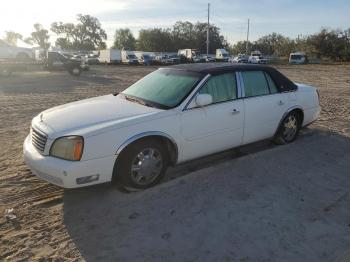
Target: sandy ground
(234, 206)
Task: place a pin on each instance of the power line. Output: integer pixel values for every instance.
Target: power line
(208, 30)
(246, 44)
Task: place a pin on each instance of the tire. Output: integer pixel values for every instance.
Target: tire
(289, 129)
(75, 70)
(141, 165)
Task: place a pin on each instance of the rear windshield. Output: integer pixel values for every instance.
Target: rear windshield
(165, 87)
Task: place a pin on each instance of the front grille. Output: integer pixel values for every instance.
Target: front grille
(39, 140)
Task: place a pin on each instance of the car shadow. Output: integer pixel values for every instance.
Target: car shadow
(277, 202)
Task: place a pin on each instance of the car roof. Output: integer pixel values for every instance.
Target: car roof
(281, 81)
(214, 68)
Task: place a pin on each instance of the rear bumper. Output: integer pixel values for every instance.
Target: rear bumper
(311, 115)
(65, 173)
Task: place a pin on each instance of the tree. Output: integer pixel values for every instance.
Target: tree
(40, 37)
(181, 35)
(87, 34)
(188, 35)
(11, 37)
(155, 39)
(124, 38)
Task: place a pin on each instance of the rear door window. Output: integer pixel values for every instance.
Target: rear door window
(272, 85)
(255, 83)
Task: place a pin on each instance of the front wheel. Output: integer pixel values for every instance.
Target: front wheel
(75, 70)
(289, 129)
(142, 164)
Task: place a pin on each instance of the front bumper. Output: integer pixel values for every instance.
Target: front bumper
(65, 173)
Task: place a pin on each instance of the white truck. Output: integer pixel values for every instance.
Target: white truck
(191, 55)
(129, 57)
(256, 58)
(110, 56)
(222, 55)
(14, 52)
(298, 58)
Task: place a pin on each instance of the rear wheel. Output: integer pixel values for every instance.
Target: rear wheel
(142, 164)
(289, 129)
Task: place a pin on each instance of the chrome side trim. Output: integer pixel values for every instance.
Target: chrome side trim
(286, 113)
(240, 85)
(146, 134)
(195, 91)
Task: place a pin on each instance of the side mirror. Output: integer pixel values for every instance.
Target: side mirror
(203, 100)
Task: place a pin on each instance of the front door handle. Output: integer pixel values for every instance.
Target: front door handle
(280, 103)
(235, 111)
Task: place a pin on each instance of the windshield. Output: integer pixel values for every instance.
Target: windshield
(165, 88)
(131, 56)
(296, 57)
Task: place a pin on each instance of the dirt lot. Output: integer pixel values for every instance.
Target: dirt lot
(297, 210)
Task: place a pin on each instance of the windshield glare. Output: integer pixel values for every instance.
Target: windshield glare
(164, 87)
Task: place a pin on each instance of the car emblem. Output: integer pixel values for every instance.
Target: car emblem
(41, 118)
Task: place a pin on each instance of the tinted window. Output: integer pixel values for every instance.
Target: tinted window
(221, 87)
(272, 85)
(164, 87)
(255, 83)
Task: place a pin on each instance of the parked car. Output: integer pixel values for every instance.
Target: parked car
(209, 58)
(93, 59)
(256, 58)
(175, 59)
(241, 58)
(166, 59)
(222, 55)
(170, 116)
(59, 61)
(145, 59)
(129, 58)
(13, 52)
(190, 55)
(84, 61)
(298, 58)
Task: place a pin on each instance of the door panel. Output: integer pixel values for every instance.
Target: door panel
(262, 116)
(212, 128)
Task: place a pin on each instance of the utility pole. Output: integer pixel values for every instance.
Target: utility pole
(246, 44)
(208, 30)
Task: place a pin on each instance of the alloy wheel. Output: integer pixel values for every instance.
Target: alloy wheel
(146, 166)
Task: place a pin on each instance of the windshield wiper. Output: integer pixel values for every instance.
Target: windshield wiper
(144, 102)
(135, 99)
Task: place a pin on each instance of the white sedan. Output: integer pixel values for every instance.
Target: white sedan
(172, 115)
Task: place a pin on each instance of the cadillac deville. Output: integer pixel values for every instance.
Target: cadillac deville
(172, 115)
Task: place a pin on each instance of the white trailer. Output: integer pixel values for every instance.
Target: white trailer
(222, 55)
(110, 56)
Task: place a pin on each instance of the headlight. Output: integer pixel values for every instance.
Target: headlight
(68, 147)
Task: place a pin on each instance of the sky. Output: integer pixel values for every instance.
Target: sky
(288, 17)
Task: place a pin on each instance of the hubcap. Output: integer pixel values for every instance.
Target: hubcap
(290, 128)
(146, 166)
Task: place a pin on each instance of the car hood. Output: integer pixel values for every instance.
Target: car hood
(89, 115)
